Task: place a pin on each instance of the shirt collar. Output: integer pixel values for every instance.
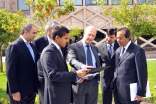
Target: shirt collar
(126, 47)
(108, 45)
(49, 39)
(57, 46)
(84, 44)
(23, 38)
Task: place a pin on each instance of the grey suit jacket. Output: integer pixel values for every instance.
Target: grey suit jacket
(132, 68)
(105, 60)
(57, 78)
(77, 57)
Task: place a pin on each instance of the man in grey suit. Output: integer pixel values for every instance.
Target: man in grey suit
(131, 67)
(57, 78)
(84, 54)
(107, 56)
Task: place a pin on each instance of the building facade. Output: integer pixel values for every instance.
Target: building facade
(86, 13)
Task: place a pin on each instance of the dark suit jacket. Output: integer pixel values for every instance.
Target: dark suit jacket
(132, 68)
(105, 60)
(40, 43)
(77, 57)
(21, 69)
(57, 78)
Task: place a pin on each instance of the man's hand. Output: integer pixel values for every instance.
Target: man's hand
(88, 67)
(16, 96)
(138, 98)
(82, 73)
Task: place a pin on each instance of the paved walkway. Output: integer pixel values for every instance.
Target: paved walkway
(140, 103)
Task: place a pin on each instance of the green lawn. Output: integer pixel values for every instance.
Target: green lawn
(151, 78)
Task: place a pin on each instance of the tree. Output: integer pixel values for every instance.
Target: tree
(139, 18)
(10, 27)
(75, 31)
(45, 10)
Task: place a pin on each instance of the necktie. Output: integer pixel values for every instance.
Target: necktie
(89, 56)
(31, 50)
(61, 51)
(122, 53)
(110, 50)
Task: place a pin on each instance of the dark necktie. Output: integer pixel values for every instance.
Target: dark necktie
(89, 56)
(110, 50)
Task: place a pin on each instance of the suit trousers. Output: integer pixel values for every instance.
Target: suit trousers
(88, 93)
(117, 99)
(107, 95)
(26, 100)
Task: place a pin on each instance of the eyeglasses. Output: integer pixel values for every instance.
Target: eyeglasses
(120, 38)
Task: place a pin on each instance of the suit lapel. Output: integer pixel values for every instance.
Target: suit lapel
(59, 54)
(45, 40)
(105, 50)
(118, 55)
(127, 53)
(114, 49)
(25, 48)
(82, 51)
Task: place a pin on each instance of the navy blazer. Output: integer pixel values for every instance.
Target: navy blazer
(57, 78)
(21, 69)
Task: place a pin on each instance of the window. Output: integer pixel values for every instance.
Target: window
(146, 1)
(90, 2)
(22, 5)
(76, 2)
(117, 2)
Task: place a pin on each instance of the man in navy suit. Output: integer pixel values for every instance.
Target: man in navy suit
(40, 43)
(131, 67)
(57, 78)
(21, 68)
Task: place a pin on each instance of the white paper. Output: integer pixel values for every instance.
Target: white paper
(133, 91)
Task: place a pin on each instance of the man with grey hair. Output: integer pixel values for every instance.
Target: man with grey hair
(40, 43)
(84, 54)
(21, 68)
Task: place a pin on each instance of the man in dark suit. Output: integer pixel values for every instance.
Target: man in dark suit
(130, 68)
(107, 56)
(40, 43)
(57, 78)
(84, 54)
(21, 68)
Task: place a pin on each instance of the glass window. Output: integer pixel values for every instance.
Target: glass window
(22, 5)
(76, 2)
(90, 2)
(142, 1)
(117, 2)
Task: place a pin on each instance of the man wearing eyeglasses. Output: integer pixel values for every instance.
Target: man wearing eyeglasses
(40, 43)
(130, 68)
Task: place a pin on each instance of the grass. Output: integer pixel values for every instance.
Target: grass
(151, 78)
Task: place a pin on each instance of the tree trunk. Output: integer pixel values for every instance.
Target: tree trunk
(1, 63)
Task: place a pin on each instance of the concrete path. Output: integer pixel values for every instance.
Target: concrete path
(140, 103)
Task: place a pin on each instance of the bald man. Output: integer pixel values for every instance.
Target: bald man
(81, 55)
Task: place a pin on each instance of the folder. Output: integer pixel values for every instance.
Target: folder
(94, 70)
(133, 91)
